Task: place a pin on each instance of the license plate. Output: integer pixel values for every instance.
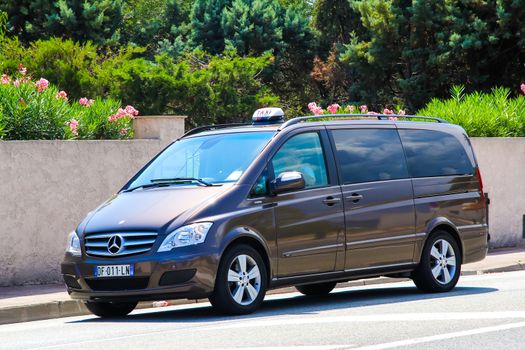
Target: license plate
(114, 271)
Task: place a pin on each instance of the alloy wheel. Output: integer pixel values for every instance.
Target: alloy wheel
(244, 279)
(443, 261)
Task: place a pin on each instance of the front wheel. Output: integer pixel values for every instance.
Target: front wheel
(241, 281)
(440, 264)
(110, 309)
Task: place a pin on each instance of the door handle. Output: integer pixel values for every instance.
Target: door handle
(331, 200)
(355, 197)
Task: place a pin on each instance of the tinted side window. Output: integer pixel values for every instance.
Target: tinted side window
(369, 155)
(303, 153)
(434, 153)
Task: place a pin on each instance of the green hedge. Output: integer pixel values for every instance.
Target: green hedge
(208, 89)
(492, 114)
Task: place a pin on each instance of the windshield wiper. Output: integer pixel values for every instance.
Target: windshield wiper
(170, 181)
(180, 179)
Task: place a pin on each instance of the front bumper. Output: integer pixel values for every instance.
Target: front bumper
(157, 276)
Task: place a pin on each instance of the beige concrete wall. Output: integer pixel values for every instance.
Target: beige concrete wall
(47, 187)
(502, 164)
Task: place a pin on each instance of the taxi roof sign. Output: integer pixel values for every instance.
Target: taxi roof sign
(270, 115)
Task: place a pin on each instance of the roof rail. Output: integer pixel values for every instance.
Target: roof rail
(212, 127)
(378, 116)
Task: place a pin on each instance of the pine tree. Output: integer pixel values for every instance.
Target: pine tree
(253, 26)
(82, 20)
(176, 31)
(26, 18)
(415, 50)
(206, 30)
(335, 21)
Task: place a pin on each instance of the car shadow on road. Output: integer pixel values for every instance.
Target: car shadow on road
(293, 304)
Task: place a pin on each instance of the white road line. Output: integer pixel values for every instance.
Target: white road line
(444, 336)
(237, 324)
(298, 347)
(434, 316)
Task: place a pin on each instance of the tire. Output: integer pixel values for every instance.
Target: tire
(242, 290)
(317, 289)
(440, 265)
(110, 309)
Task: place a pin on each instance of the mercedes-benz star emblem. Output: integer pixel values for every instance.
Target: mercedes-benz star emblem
(115, 244)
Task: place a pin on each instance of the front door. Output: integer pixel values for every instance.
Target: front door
(378, 197)
(309, 222)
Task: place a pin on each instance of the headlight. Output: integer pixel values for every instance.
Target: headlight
(186, 235)
(73, 244)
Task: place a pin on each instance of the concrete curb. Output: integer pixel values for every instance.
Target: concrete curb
(69, 308)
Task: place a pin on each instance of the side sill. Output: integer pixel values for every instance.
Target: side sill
(342, 276)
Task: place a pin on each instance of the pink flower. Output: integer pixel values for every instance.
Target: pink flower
(123, 131)
(128, 112)
(85, 102)
(350, 108)
(73, 126)
(16, 83)
(5, 79)
(61, 95)
(333, 108)
(388, 111)
(22, 69)
(311, 106)
(42, 84)
(392, 118)
(401, 112)
(318, 111)
(363, 108)
(522, 87)
(131, 111)
(372, 113)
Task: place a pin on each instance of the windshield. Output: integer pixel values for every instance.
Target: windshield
(212, 158)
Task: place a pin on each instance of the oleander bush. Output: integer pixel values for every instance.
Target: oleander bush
(35, 109)
(493, 114)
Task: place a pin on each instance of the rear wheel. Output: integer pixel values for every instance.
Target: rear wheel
(316, 289)
(110, 309)
(241, 281)
(440, 264)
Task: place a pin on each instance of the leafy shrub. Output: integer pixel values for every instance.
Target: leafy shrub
(481, 114)
(208, 89)
(32, 110)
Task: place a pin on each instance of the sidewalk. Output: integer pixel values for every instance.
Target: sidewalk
(30, 303)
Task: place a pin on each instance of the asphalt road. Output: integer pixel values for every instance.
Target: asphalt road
(483, 312)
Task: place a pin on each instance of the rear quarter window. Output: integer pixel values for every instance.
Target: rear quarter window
(366, 155)
(434, 153)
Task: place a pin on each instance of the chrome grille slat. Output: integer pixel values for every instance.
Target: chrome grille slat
(141, 242)
(127, 234)
(96, 244)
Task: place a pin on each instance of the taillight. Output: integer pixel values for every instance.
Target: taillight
(478, 174)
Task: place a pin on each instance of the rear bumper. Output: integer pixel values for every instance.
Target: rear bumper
(156, 277)
(475, 240)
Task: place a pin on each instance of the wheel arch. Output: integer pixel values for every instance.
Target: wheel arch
(445, 225)
(245, 235)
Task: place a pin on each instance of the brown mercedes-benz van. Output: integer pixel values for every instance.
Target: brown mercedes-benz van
(228, 211)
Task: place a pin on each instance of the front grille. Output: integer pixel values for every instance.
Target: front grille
(115, 284)
(119, 244)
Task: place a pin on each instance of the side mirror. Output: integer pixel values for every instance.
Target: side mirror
(287, 181)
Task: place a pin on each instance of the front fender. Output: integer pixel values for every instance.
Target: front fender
(244, 234)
